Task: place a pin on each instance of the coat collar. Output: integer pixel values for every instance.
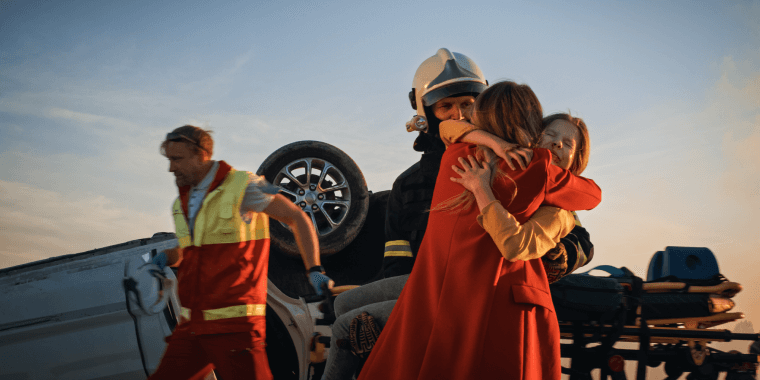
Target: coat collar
(221, 173)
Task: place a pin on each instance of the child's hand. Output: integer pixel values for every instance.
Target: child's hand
(510, 152)
(474, 177)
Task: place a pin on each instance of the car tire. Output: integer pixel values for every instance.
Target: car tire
(327, 184)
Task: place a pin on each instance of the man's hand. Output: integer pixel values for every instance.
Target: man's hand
(168, 258)
(555, 263)
(160, 260)
(318, 280)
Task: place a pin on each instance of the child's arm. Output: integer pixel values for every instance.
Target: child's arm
(532, 239)
(566, 190)
(454, 131)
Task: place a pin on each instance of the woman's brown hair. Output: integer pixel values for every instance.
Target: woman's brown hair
(508, 110)
(511, 111)
(580, 161)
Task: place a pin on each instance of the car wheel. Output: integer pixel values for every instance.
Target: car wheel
(326, 184)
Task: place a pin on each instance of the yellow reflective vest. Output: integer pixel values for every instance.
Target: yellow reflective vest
(223, 273)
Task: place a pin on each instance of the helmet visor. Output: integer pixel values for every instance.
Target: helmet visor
(454, 89)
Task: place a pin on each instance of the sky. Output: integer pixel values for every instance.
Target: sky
(670, 92)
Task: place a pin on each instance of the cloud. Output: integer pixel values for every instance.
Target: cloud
(39, 223)
(134, 176)
(105, 122)
(216, 85)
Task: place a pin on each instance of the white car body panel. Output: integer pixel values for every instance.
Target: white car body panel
(66, 318)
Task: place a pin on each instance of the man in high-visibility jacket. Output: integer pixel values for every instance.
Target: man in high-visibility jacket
(222, 225)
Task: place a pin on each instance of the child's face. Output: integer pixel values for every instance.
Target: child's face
(453, 108)
(561, 138)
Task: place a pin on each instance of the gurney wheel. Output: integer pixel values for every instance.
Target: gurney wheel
(673, 369)
(740, 376)
(698, 352)
(704, 372)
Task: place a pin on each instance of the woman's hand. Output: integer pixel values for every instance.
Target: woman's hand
(509, 152)
(473, 176)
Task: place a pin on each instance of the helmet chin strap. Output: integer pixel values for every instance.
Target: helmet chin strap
(426, 142)
(432, 122)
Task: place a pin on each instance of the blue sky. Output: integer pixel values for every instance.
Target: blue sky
(670, 91)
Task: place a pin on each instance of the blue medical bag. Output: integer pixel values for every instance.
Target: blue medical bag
(694, 263)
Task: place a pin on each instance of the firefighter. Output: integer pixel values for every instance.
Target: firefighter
(444, 88)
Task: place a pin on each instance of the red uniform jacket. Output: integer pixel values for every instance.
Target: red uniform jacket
(465, 312)
(223, 281)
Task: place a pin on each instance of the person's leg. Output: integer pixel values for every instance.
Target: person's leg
(183, 359)
(341, 362)
(386, 289)
(238, 356)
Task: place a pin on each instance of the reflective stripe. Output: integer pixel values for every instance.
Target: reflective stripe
(253, 310)
(398, 248)
(180, 225)
(398, 254)
(577, 220)
(185, 241)
(262, 227)
(582, 258)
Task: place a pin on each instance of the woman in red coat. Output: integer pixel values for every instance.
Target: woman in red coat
(466, 312)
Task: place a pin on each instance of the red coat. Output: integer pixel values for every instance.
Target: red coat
(465, 312)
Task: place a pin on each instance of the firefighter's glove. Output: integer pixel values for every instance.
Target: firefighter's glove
(362, 334)
(555, 263)
(319, 280)
(160, 260)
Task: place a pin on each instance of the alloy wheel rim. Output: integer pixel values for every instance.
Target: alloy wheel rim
(319, 188)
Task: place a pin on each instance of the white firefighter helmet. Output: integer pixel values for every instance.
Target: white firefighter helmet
(443, 75)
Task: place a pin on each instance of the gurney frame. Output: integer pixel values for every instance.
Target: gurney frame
(683, 349)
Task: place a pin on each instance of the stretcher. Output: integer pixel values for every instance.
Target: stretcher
(672, 320)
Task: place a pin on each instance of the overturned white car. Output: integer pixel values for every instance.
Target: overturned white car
(102, 313)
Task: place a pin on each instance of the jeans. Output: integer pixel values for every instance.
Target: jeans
(377, 299)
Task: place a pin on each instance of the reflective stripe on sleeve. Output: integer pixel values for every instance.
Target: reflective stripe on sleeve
(185, 241)
(180, 226)
(252, 310)
(262, 227)
(398, 248)
(577, 220)
(185, 313)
